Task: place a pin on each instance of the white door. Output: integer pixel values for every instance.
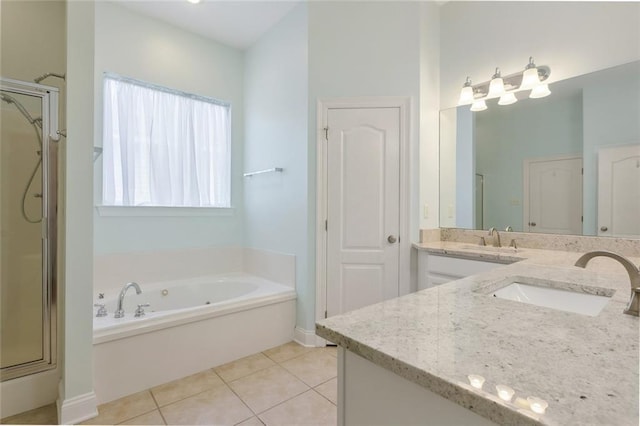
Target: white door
(553, 196)
(619, 191)
(363, 201)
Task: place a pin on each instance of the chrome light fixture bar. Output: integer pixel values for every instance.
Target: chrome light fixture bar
(504, 87)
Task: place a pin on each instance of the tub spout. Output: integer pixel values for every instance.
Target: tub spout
(119, 310)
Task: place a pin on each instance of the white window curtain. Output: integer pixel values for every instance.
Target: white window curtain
(164, 148)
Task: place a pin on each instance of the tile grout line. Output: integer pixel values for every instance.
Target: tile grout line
(158, 407)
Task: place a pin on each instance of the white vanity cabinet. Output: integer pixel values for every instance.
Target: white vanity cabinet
(436, 269)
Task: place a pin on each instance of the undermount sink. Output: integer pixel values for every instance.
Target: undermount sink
(553, 298)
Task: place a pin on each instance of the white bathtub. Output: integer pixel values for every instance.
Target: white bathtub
(191, 325)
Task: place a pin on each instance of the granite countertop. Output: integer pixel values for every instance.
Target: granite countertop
(585, 367)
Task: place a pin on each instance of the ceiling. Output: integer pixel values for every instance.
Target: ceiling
(236, 23)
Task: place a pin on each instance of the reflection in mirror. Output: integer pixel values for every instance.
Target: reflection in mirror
(565, 164)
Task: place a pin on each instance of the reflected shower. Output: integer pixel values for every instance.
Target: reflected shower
(37, 127)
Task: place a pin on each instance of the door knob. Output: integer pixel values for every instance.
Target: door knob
(604, 228)
(392, 239)
(532, 224)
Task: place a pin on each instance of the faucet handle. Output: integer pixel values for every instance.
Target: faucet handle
(513, 244)
(140, 311)
(102, 311)
(482, 242)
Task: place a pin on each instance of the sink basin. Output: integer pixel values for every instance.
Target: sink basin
(553, 298)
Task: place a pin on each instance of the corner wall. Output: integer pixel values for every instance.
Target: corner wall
(276, 99)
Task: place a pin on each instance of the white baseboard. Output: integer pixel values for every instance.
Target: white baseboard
(308, 338)
(29, 392)
(77, 409)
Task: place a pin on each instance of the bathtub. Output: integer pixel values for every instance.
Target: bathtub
(191, 325)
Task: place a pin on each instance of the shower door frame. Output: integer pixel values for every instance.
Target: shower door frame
(49, 102)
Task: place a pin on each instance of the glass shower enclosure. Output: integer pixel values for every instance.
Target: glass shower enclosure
(28, 182)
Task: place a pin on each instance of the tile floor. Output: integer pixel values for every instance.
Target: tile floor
(286, 385)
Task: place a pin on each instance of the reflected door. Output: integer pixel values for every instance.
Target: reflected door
(363, 203)
(553, 195)
(619, 191)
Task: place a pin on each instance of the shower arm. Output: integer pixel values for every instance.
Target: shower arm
(50, 74)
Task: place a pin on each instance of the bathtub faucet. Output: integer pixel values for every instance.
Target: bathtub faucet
(119, 310)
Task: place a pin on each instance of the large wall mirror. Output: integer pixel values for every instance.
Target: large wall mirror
(568, 163)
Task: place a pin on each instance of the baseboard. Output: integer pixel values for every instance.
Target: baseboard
(77, 409)
(307, 338)
(29, 392)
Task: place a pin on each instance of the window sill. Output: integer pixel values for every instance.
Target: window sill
(143, 211)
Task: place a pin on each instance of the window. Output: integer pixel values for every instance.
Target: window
(162, 147)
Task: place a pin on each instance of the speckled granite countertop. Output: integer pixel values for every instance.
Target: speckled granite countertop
(586, 368)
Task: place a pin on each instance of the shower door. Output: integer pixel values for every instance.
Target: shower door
(27, 228)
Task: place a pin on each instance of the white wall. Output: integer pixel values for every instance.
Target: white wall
(573, 38)
(77, 399)
(275, 204)
(146, 49)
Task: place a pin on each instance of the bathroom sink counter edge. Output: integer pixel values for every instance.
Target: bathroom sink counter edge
(586, 368)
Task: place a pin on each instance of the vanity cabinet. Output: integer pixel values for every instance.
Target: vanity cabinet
(436, 269)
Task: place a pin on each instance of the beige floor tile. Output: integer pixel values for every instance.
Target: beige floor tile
(267, 388)
(123, 409)
(313, 368)
(286, 351)
(47, 415)
(306, 409)
(152, 418)
(333, 350)
(243, 367)
(188, 386)
(329, 390)
(253, 421)
(215, 406)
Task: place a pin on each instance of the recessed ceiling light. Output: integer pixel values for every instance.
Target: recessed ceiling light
(194, 1)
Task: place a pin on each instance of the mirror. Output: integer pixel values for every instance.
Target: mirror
(568, 163)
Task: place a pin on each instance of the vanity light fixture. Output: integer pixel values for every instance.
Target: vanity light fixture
(466, 94)
(508, 99)
(496, 85)
(531, 78)
(479, 105)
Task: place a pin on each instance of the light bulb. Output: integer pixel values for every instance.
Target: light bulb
(540, 91)
(466, 94)
(530, 79)
(508, 99)
(480, 105)
(538, 405)
(496, 86)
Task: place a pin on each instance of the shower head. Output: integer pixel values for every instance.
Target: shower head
(49, 74)
(11, 100)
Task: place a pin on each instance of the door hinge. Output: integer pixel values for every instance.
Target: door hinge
(581, 218)
(582, 170)
(326, 225)
(326, 133)
(325, 314)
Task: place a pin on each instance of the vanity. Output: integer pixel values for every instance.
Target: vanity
(418, 359)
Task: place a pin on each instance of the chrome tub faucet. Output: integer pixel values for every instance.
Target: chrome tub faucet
(634, 276)
(119, 313)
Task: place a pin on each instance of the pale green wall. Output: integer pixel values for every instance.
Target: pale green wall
(611, 117)
(505, 136)
(136, 46)
(276, 98)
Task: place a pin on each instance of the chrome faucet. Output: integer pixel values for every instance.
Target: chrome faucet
(496, 238)
(634, 276)
(119, 313)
